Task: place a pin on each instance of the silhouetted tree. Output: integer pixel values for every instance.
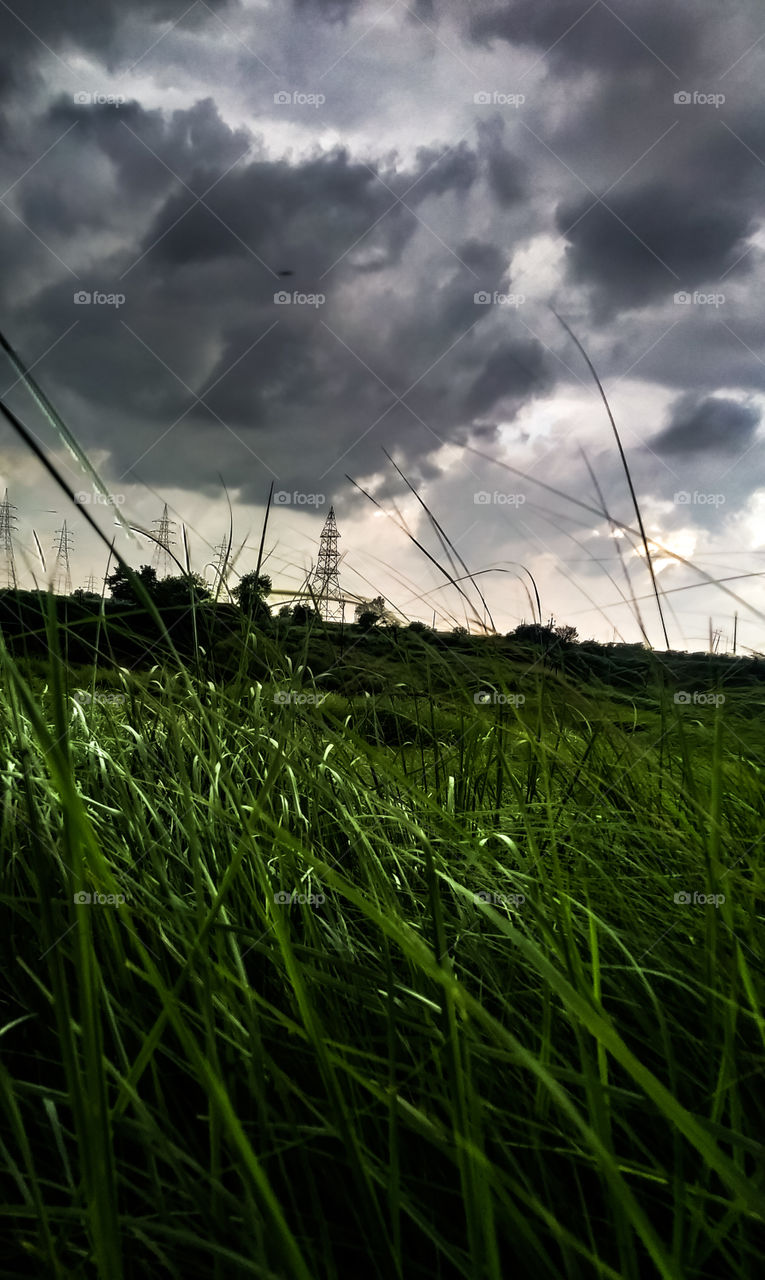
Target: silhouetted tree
(175, 592)
(122, 588)
(420, 629)
(375, 607)
(250, 592)
(534, 633)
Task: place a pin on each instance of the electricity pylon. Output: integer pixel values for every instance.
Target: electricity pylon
(7, 528)
(62, 570)
(324, 581)
(165, 538)
(221, 567)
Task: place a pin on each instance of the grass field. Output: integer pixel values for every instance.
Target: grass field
(510, 1022)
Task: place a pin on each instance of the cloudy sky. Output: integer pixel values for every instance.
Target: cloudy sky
(439, 179)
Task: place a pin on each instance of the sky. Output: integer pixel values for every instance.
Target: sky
(455, 189)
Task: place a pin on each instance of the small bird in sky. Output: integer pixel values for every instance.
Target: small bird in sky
(286, 273)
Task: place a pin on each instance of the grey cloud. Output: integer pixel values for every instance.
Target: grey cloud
(399, 299)
(648, 243)
(709, 425)
(579, 35)
(508, 174)
(201, 303)
(512, 372)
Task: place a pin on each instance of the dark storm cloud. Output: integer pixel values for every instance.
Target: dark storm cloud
(340, 10)
(151, 150)
(445, 169)
(331, 202)
(579, 34)
(507, 174)
(319, 390)
(709, 425)
(30, 30)
(649, 243)
(332, 10)
(512, 372)
(298, 386)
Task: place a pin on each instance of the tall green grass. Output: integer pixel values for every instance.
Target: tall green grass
(402, 1078)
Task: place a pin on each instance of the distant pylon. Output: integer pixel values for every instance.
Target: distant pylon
(165, 538)
(324, 581)
(62, 570)
(90, 585)
(221, 566)
(7, 527)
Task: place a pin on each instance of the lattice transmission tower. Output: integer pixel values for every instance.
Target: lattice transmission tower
(324, 581)
(164, 532)
(7, 529)
(62, 569)
(221, 567)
